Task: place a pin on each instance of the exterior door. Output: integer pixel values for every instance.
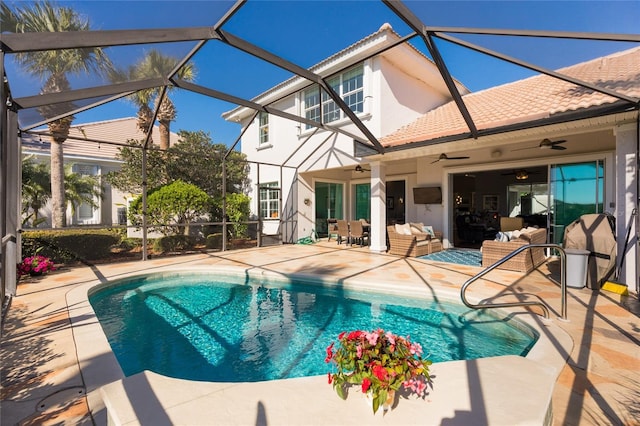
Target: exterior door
(575, 189)
(362, 209)
(329, 205)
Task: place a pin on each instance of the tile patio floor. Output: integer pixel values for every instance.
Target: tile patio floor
(599, 385)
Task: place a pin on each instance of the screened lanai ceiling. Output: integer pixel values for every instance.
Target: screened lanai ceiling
(241, 49)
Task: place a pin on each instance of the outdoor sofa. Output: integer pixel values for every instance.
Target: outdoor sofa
(411, 240)
(526, 261)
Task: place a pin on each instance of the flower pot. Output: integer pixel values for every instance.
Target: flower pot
(386, 405)
(35, 273)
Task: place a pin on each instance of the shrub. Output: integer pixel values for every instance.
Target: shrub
(128, 244)
(65, 246)
(172, 208)
(173, 243)
(238, 209)
(214, 241)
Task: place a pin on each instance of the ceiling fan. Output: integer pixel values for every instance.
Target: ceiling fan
(361, 169)
(520, 174)
(547, 144)
(445, 157)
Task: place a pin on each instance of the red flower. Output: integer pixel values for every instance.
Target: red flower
(341, 335)
(329, 352)
(365, 384)
(329, 378)
(380, 372)
(354, 335)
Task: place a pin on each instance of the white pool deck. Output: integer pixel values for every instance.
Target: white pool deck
(583, 371)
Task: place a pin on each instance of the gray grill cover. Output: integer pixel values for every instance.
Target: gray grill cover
(594, 232)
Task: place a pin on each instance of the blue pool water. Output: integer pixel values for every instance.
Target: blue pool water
(235, 329)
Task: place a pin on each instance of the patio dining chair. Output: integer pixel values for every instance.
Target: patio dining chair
(343, 231)
(358, 234)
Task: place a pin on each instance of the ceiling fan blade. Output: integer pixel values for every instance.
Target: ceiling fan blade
(444, 157)
(521, 149)
(549, 144)
(558, 147)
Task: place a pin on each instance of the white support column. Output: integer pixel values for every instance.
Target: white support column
(11, 241)
(626, 201)
(378, 233)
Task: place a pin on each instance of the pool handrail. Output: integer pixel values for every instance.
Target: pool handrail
(542, 304)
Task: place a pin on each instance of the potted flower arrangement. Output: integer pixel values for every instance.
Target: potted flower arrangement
(380, 362)
(35, 265)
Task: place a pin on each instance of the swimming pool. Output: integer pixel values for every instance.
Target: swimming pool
(230, 328)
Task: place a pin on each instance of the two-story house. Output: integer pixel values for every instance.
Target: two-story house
(308, 175)
(548, 148)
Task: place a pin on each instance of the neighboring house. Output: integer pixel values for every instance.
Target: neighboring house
(546, 149)
(90, 157)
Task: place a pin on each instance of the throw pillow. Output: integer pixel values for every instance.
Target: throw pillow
(429, 230)
(503, 236)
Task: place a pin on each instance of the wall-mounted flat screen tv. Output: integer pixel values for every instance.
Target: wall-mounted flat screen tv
(430, 195)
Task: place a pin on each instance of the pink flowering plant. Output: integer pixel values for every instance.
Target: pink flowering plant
(379, 362)
(36, 264)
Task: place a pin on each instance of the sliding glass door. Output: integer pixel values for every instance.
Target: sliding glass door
(576, 189)
(329, 204)
(362, 193)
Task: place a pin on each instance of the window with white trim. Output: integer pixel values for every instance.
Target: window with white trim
(352, 93)
(269, 200)
(348, 85)
(263, 127)
(85, 212)
(312, 104)
(330, 110)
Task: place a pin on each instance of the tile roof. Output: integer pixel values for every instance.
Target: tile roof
(536, 97)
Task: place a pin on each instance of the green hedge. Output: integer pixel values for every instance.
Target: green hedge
(66, 246)
(173, 243)
(214, 241)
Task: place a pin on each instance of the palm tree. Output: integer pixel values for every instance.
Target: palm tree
(53, 67)
(155, 64)
(81, 189)
(36, 191)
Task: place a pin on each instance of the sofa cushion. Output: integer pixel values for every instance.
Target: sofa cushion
(416, 228)
(525, 236)
(403, 229)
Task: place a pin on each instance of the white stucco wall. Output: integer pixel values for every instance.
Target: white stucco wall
(392, 98)
(403, 95)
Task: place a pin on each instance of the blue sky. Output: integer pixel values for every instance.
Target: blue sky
(306, 32)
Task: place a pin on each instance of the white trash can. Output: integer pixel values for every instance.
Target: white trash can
(577, 263)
